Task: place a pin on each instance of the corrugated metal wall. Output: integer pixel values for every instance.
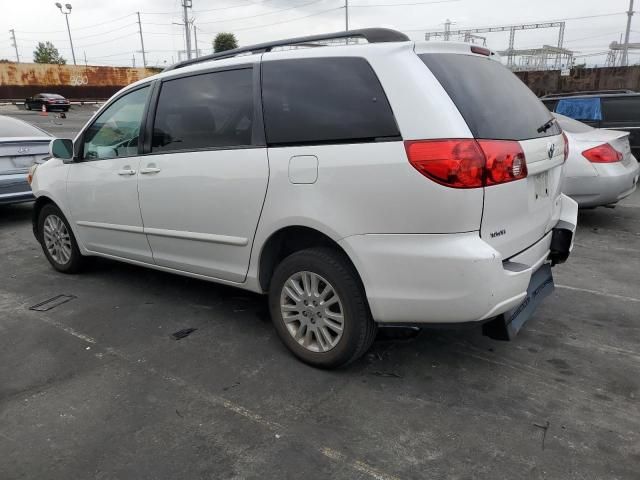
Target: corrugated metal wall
(582, 79)
(21, 80)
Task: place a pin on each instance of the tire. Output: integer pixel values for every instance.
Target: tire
(324, 346)
(62, 251)
(27, 106)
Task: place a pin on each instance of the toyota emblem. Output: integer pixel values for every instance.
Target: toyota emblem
(551, 148)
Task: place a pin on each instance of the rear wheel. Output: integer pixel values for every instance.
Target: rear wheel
(319, 308)
(27, 106)
(57, 240)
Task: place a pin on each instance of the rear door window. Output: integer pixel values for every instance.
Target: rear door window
(211, 110)
(324, 100)
(492, 100)
(621, 110)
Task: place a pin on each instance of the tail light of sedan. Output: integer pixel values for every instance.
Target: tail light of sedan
(604, 153)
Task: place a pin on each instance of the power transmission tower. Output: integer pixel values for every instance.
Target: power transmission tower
(625, 52)
(14, 44)
(186, 4)
(144, 56)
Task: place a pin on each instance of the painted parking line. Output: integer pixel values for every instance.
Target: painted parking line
(598, 292)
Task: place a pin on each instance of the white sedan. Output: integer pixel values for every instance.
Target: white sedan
(600, 169)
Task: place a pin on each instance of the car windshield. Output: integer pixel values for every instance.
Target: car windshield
(572, 126)
(10, 127)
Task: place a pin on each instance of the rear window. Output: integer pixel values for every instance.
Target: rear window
(570, 125)
(492, 100)
(52, 95)
(588, 109)
(324, 100)
(621, 109)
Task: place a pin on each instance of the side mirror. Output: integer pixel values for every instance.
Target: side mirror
(61, 148)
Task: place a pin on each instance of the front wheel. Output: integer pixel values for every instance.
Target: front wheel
(319, 308)
(57, 240)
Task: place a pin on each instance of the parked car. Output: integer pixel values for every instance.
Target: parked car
(600, 170)
(618, 110)
(393, 182)
(21, 146)
(51, 101)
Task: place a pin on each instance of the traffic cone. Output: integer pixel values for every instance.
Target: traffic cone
(44, 111)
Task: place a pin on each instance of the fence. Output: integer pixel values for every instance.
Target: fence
(21, 80)
(582, 79)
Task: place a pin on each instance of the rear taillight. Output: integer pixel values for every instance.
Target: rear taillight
(604, 153)
(566, 146)
(505, 161)
(467, 163)
(454, 163)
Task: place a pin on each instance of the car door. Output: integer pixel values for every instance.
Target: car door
(102, 186)
(203, 182)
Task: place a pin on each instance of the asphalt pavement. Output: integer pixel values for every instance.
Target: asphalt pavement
(59, 127)
(98, 387)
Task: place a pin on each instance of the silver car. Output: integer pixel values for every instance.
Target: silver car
(600, 169)
(21, 146)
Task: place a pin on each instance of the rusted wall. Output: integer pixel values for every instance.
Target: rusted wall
(582, 79)
(21, 80)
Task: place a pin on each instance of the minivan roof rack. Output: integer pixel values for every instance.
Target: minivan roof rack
(588, 92)
(371, 35)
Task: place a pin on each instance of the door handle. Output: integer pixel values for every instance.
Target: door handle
(126, 171)
(147, 170)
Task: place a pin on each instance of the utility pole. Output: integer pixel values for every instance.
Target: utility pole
(144, 56)
(186, 4)
(625, 53)
(14, 43)
(133, 60)
(86, 64)
(195, 36)
(346, 15)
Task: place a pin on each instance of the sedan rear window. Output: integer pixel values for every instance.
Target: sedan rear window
(10, 127)
(492, 100)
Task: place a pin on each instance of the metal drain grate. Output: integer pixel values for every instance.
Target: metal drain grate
(53, 302)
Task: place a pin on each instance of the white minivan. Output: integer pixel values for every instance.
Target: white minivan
(386, 182)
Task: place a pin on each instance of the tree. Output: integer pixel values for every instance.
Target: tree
(4, 60)
(224, 41)
(47, 53)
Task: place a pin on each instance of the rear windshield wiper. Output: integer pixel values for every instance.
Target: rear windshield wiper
(546, 126)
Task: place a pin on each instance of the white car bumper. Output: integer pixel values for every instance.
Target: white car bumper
(445, 278)
(614, 181)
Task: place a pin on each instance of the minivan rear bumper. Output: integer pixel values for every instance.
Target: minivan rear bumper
(446, 278)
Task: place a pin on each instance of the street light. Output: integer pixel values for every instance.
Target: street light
(66, 16)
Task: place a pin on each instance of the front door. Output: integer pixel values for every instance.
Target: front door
(102, 187)
(203, 184)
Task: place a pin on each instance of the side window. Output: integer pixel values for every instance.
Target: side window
(115, 132)
(211, 110)
(324, 100)
(621, 109)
